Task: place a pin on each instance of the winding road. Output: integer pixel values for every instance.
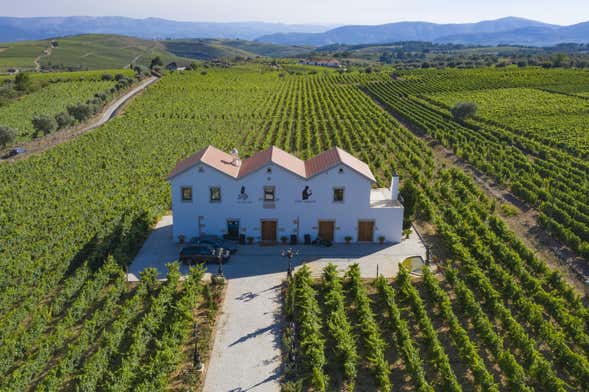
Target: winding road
(110, 110)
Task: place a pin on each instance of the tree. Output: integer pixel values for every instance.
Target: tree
(80, 112)
(463, 110)
(22, 81)
(7, 135)
(63, 119)
(156, 62)
(409, 194)
(44, 124)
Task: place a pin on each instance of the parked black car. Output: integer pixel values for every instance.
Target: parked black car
(214, 242)
(203, 253)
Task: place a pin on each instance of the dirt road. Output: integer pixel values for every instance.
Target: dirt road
(111, 110)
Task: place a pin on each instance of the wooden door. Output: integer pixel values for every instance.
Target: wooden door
(326, 230)
(269, 230)
(366, 231)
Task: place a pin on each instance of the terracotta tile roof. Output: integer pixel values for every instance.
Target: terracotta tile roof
(221, 161)
(210, 156)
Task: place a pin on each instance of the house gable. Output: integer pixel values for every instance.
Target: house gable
(223, 162)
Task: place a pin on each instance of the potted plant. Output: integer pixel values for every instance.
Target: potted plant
(181, 238)
(348, 239)
(381, 239)
(284, 239)
(250, 240)
(407, 232)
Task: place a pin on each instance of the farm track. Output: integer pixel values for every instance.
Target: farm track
(53, 139)
(525, 224)
(38, 58)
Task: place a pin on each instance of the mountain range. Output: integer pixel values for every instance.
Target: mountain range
(509, 30)
(20, 29)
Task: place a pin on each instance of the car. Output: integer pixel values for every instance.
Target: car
(201, 253)
(14, 152)
(212, 241)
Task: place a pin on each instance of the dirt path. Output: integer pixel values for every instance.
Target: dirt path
(38, 58)
(524, 224)
(111, 110)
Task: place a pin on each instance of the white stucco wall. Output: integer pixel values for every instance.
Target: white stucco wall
(289, 206)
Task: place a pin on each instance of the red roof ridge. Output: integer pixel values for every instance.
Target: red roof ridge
(220, 160)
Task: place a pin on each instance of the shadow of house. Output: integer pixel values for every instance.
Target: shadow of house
(122, 241)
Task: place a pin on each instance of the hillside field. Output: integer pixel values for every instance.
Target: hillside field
(102, 51)
(489, 314)
(52, 93)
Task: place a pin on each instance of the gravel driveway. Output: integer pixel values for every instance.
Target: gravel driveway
(246, 349)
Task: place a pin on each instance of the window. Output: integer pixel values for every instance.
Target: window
(186, 193)
(215, 193)
(269, 193)
(338, 195)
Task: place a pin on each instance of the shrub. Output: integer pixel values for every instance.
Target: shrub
(156, 62)
(409, 193)
(7, 135)
(80, 112)
(463, 110)
(22, 81)
(63, 119)
(107, 77)
(44, 124)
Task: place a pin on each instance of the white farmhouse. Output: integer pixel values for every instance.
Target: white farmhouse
(273, 195)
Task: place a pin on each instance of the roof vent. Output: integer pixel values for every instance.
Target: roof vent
(235, 161)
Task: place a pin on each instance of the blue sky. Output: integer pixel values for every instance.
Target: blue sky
(309, 11)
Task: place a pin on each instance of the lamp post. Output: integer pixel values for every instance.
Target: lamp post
(289, 253)
(196, 357)
(220, 253)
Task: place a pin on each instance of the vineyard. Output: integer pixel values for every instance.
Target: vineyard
(48, 101)
(517, 144)
(50, 97)
(495, 318)
(557, 118)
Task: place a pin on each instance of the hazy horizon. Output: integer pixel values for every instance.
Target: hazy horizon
(328, 13)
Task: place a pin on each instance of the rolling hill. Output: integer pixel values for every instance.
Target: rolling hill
(19, 29)
(506, 30)
(101, 51)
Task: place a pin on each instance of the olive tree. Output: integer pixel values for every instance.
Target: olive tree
(44, 124)
(63, 119)
(463, 110)
(7, 135)
(80, 112)
(22, 81)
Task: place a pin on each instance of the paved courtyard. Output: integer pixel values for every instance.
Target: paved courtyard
(246, 350)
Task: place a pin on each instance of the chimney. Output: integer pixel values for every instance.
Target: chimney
(394, 186)
(235, 161)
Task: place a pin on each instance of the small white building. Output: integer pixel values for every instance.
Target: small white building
(274, 194)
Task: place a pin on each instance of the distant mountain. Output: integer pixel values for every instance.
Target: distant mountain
(505, 30)
(19, 29)
(532, 36)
